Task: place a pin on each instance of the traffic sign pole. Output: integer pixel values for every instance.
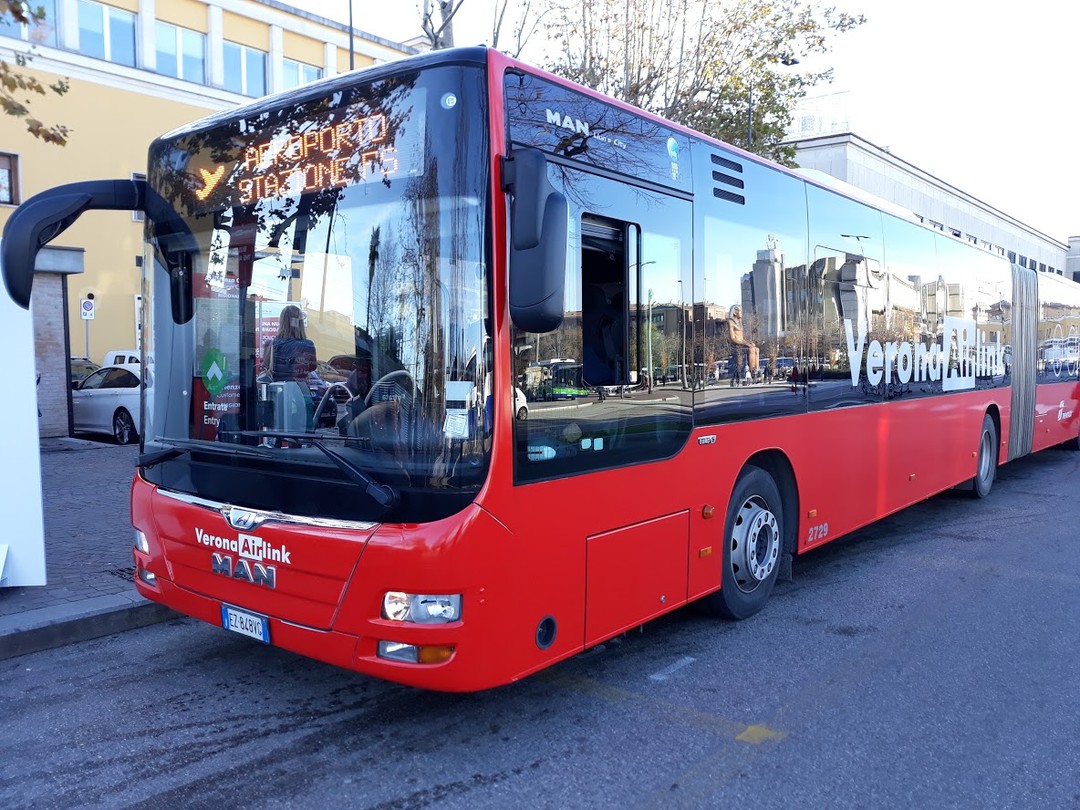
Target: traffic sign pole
(86, 309)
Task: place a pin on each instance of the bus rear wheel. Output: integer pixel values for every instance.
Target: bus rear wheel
(986, 465)
(753, 545)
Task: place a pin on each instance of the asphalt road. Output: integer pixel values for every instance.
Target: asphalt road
(927, 661)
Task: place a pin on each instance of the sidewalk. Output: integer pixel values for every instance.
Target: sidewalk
(86, 489)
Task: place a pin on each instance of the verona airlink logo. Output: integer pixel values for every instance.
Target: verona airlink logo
(962, 354)
(246, 557)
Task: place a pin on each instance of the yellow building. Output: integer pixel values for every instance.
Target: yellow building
(136, 69)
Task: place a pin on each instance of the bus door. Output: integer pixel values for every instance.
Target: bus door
(628, 276)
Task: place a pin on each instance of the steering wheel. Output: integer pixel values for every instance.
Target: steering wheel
(395, 379)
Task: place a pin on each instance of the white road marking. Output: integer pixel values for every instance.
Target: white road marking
(663, 674)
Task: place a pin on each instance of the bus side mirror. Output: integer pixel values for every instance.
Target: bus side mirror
(538, 235)
(45, 216)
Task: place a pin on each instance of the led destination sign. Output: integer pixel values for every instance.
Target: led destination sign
(344, 152)
(334, 156)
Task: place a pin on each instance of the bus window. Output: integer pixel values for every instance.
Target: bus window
(749, 309)
(594, 397)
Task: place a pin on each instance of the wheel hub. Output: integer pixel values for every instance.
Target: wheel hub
(755, 544)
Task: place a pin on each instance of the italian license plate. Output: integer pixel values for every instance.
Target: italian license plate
(246, 624)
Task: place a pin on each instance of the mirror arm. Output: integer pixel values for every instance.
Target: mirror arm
(45, 216)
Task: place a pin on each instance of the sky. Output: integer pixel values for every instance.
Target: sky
(985, 97)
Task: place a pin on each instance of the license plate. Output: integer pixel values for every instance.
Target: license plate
(246, 624)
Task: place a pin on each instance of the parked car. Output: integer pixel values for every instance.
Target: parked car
(107, 401)
(521, 405)
(121, 357)
(81, 367)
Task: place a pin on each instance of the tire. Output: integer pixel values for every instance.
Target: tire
(124, 428)
(523, 414)
(986, 464)
(753, 546)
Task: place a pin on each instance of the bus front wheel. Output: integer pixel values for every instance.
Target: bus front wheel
(753, 545)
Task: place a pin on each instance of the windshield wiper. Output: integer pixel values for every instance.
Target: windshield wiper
(177, 448)
(382, 494)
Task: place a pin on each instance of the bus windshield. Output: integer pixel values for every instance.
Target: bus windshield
(331, 251)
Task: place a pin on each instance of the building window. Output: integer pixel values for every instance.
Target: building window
(245, 70)
(181, 52)
(40, 33)
(106, 32)
(294, 74)
(9, 179)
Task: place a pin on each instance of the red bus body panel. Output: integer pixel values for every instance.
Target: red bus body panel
(1056, 417)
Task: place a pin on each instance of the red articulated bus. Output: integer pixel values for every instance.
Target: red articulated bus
(439, 225)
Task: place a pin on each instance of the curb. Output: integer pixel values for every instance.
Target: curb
(50, 627)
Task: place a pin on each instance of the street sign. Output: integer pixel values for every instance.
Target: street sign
(86, 308)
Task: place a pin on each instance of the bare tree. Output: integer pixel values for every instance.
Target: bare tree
(714, 65)
(440, 32)
(525, 22)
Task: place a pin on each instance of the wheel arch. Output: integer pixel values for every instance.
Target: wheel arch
(994, 412)
(778, 465)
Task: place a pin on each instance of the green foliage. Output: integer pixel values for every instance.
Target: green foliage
(722, 67)
(17, 87)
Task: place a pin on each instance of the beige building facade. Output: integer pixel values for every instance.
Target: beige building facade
(137, 69)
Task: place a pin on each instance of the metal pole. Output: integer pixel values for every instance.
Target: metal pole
(682, 336)
(351, 63)
(649, 339)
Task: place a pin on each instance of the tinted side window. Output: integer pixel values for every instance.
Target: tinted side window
(590, 130)
(117, 378)
(95, 380)
(847, 301)
(591, 400)
(1059, 331)
(968, 317)
(750, 299)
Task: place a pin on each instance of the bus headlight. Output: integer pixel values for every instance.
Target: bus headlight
(421, 608)
(141, 543)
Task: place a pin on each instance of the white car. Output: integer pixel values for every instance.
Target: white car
(521, 405)
(107, 401)
(121, 357)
